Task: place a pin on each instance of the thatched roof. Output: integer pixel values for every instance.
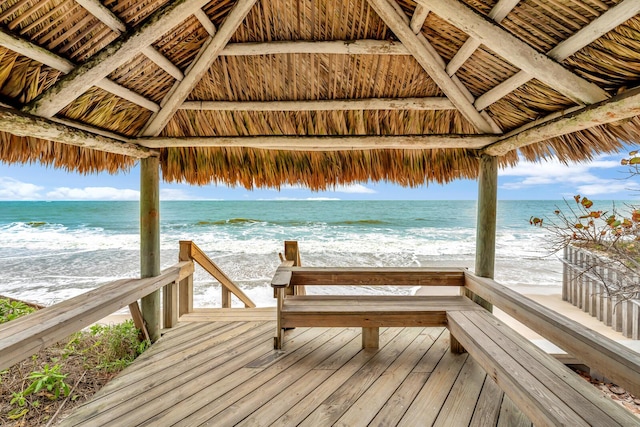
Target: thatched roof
(317, 92)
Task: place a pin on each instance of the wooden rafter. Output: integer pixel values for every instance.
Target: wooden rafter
(432, 63)
(104, 15)
(22, 124)
(37, 53)
(205, 22)
(427, 103)
(418, 18)
(107, 60)
(517, 52)
(327, 143)
(198, 68)
(603, 24)
(620, 107)
(331, 47)
(498, 13)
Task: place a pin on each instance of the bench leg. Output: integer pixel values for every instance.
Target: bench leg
(370, 337)
(277, 340)
(455, 345)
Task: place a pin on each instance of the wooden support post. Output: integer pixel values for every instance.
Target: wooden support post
(486, 221)
(485, 231)
(185, 292)
(370, 337)
(150, 240)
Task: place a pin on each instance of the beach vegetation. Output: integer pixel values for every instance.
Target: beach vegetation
(12, 309)
(611, 235)
(49, 384)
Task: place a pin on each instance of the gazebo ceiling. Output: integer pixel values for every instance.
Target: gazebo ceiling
(317, 92)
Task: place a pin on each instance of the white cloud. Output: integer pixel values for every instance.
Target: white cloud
(607, 187)
(354, 189)
(174, 194)
(348, 189)
(580, 175)
(12, 189)
(92, 193)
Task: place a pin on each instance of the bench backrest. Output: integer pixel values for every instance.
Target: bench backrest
(372, 276)
(610, 358)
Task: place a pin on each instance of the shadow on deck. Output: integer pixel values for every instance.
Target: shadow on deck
(227, 373)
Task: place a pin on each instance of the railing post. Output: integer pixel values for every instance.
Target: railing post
(185, 292)
(226, 297)
(170, 303)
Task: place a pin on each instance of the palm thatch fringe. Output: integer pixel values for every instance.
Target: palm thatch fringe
(16, 149)
(253, 168)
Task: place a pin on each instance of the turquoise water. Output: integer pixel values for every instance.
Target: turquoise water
(50, 251)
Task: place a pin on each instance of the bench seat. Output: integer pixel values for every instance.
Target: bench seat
(370, 311)
(544, 389)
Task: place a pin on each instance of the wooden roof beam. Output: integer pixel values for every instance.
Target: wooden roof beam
(22, 124)
(104, 15)
(205, 22)
(198, 68)
(418, 18)
(623, 106)
(517, 52)
(331, 47)
(37, 53)
(327, 143)
(108, 59)
(429, 59)
(498, 13)
(427, 103)
(606, 22)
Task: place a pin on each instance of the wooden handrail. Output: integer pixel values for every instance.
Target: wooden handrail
(27, 335)
(228, 286)
(608, 357)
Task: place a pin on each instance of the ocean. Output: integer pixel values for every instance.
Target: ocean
(50, 251)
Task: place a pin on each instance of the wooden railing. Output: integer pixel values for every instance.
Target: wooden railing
(27, 335)
(178, 297)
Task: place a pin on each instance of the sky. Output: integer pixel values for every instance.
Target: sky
(604, 179)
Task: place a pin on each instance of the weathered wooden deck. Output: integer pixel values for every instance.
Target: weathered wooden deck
(227, 373)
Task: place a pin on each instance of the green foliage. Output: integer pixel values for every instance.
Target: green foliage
(10, 310)
(107, 349)
(49, 379)
(116, 346)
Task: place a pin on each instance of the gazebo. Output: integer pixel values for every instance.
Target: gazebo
(315, 92)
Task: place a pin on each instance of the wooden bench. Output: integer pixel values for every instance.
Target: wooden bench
(368, 312)
(544, 389)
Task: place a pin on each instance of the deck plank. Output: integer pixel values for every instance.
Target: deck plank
(342, 398)
(489, 404)
(425, 408)
(306, 406)
(362, 411)
(511, 416)
(278, 378)
(197, 405)
(228, 373)
(461, 402)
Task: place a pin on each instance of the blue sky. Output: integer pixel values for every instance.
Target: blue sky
(603, 178)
